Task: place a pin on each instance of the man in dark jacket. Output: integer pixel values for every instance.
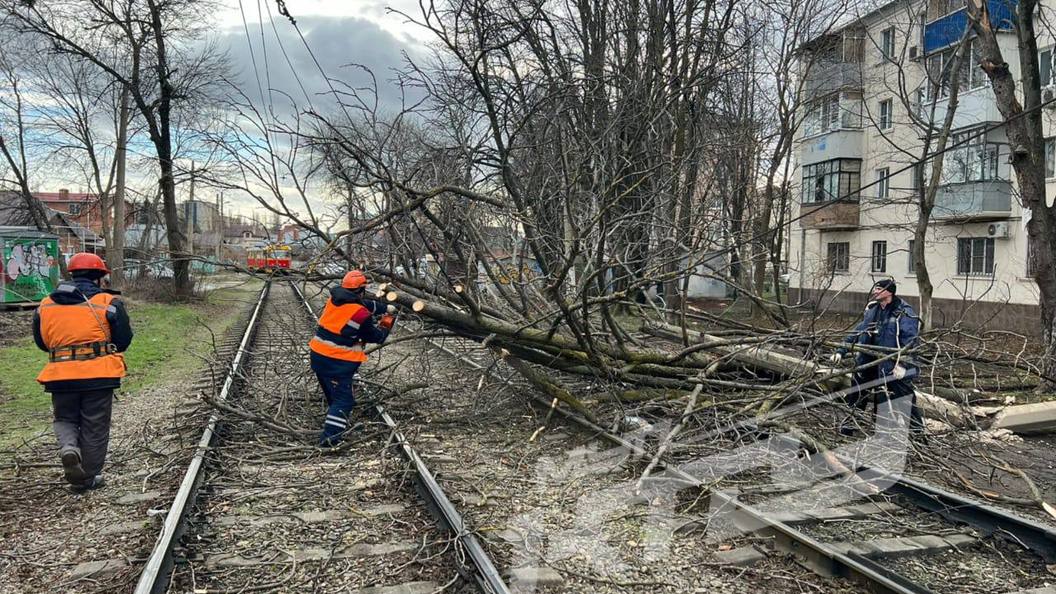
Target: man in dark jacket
(346, 324)
(891, 324)
(84, 329)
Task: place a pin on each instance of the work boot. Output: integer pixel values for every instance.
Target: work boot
(71, 467)
(96, 482)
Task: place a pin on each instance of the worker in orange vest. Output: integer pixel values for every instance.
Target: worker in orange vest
(347, 323)
(84, 329)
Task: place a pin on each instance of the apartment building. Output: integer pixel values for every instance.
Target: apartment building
(870, 90)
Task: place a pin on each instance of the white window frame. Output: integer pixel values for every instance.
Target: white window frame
(937, 65)
(823, 115)
(833, 260)
(1051, 51)
(887, 120)
(878, 257)
(883, 183)
(910, 267)
(980, 249)
(887, 43)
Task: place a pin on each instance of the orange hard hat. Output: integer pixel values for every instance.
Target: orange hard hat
(86, 261)
(354, 279)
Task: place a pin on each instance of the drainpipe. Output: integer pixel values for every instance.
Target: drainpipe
(802, 264)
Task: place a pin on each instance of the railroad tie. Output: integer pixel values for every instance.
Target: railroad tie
(903, 546)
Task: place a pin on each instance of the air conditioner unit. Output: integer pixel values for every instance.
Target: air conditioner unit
(997, 230)
(1048, 98)
(913, 52)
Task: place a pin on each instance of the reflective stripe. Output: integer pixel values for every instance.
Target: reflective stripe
(335, 418)
(65, 288)
(335, 424)
(352, 349)
(81, 304)
(353, 324)
(111, 309)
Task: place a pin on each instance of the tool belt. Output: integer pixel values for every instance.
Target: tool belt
(82, 352)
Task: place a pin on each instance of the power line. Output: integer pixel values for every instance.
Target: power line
(282, 47)
(264, 50)
(252, 53)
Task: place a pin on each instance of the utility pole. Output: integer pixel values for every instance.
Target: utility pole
(220, 237)
(190, 216)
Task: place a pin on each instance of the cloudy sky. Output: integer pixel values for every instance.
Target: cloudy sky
(340, 33)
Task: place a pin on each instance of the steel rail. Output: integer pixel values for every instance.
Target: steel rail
(988, 519)
(155, 575)
(824, 559)
(485, 574)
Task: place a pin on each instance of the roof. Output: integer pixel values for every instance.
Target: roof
(79, 231)
(69, 197)
(13, 211)
(26, 232)
(867, 12)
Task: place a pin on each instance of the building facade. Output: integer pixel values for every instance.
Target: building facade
(873, 91)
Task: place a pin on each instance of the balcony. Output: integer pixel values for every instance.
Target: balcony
(844, 143)
(974, 201)
(827, 77)
(974, 107)
(948, 30)
(840, 215)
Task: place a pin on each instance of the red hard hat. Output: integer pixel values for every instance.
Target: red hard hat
(354, 279)
(86, 261)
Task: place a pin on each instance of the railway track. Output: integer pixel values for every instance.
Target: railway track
(260, 509)
(879, 529)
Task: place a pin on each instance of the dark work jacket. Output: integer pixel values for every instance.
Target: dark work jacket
(893, 327)
(79, 290)
(367, 332)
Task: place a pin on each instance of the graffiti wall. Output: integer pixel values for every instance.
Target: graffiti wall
(29, 268)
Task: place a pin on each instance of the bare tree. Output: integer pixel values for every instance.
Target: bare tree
(15, 141)
(143, 47)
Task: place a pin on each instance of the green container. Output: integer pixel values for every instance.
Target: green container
(29, 264)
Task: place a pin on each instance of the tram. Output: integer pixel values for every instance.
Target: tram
(270, 258)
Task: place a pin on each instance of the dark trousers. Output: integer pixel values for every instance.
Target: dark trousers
(887, 394)
(340, 399)
(82, 424)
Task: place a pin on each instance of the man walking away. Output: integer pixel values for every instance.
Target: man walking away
(889, 323)
(347, 323)
(84, 329)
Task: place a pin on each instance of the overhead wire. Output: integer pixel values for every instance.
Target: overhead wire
(252, 52)
(285, 55)
(264, 51)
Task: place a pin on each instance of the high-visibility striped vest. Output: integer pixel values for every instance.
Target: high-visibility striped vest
(328, 341)
(78, 339)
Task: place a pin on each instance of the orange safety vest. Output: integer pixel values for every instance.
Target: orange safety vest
(333, 320)
(78, 337)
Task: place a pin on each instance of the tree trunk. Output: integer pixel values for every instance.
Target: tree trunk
(116, 255)
(928, 191)
(1027, 143)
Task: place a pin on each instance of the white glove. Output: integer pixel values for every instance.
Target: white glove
(390, 309)
(835, 358)
(898, 372)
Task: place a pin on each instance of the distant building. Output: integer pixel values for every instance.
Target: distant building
(81, 209)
